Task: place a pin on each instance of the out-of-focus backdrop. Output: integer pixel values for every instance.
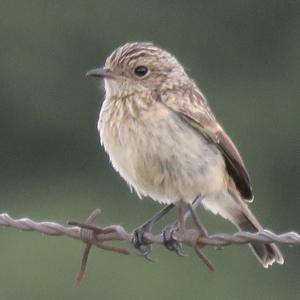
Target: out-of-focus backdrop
(245, 56)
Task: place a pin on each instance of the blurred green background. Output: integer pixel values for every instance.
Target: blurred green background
(244, 54)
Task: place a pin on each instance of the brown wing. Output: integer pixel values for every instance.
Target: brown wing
(190, 104)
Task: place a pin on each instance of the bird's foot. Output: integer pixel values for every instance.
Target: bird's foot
(168, 240)
(139, 242)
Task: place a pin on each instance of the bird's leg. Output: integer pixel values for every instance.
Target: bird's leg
(181, 207)
(179, 224)
(138, 233)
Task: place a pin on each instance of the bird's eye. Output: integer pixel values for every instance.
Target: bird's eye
(140, 71)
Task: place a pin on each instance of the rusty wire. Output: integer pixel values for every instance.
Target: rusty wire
(96, 236)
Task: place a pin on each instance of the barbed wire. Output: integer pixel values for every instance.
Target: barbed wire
(92, 235)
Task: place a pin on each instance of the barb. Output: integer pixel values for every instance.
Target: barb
(92, 235)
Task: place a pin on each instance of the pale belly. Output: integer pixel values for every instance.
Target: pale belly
(162, 157)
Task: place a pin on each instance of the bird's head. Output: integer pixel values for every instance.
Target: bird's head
(139, 66)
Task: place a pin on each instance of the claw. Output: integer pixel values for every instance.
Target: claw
(148, 257)
(139, 242)
(169, 242)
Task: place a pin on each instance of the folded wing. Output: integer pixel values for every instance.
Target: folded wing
(194, 110)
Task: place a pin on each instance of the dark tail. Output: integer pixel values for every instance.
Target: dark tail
(230, 206)
(267, 254)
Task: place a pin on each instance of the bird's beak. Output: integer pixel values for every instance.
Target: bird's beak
(100, 73)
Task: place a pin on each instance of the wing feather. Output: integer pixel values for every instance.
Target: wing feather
(191, 106)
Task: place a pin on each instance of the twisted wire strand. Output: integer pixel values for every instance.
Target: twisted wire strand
(48, 228)
(117, 232)
(99, 237)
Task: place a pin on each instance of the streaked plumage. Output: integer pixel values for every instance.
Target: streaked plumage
(163, 139)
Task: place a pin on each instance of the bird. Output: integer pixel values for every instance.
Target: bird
(164, 140)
